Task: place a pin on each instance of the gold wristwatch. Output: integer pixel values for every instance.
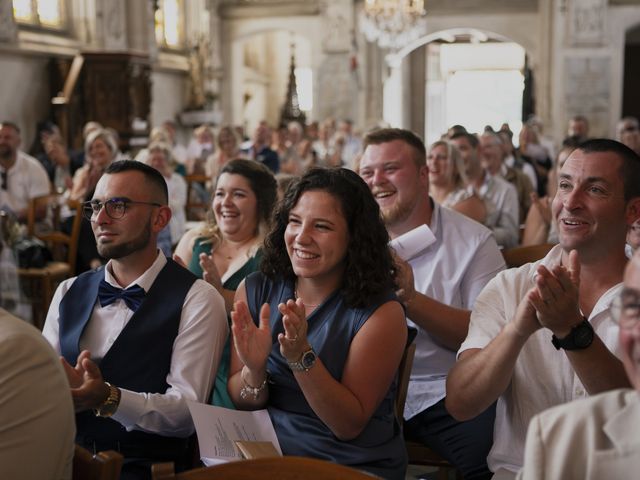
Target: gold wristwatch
(110, 405)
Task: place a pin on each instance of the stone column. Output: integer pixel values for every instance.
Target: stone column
(417, 90)
(586, 66)
(8, 27)
(373, 73)
(110, 25)
(215, 38)
(338, 82)
(542, 66)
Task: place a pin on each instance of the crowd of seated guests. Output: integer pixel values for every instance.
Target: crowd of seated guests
(292, 259)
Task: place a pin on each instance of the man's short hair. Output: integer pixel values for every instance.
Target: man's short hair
(455, 129)
(491, 134)
(580, 118)
(10, 125)
(572, 141)
(630, 169)
(470, 137)
(386, 135)
(626, 122)
(152, 175)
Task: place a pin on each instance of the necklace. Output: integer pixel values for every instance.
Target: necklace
(234, 252)
(295, 294)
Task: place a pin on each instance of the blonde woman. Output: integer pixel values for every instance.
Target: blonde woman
(446, 184)
(100, 150)
(228, 148)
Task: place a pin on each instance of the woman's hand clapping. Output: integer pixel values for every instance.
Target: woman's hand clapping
(252, 343)
(293, 342)
(210, 272)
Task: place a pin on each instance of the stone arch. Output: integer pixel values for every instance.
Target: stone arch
(396, 81)
(235, 32)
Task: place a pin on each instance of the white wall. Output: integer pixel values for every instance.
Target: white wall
(168, 91)
(24, 98)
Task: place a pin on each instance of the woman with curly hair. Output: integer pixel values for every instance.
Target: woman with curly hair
(318, 333)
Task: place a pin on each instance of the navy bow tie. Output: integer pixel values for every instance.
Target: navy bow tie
(132, 296)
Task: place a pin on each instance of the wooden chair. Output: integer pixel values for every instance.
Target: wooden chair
(101, 466)
(195, 208)
(282, 468)
(418, 453)
(39, 284)
(404, 373)
(518, 256)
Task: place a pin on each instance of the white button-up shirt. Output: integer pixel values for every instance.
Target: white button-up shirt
(197, 349)
(452, 270)
(503, 209)
(543, 376)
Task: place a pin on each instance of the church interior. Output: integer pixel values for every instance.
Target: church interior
(140, 63)
(195, 88)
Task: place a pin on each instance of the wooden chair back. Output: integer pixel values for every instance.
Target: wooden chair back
(101, 466)
(54, 237)
(195, 208)
(404, 373)
(518, 256)
(417, 453)
(39, 283)
(282, 468)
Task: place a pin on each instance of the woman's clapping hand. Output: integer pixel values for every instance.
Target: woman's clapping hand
(252, 343)
(293, 342)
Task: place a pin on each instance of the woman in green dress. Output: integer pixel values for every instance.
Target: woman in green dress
(226, 248)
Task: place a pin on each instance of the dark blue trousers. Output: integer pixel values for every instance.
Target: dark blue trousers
(463, 444)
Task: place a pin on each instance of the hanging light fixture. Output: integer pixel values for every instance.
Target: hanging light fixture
(393, 23)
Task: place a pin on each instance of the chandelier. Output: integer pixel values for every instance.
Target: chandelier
(393, 23)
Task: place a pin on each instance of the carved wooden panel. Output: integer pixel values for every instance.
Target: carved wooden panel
(117, 92)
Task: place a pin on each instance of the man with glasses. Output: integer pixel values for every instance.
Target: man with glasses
(542, 335)
(140, 336)
(22, 177)
(597, 437)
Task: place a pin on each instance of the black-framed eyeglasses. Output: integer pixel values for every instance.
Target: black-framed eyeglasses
(4, 174)
(115, 207)
(625, 309)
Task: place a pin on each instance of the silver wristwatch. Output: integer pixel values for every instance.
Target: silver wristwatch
(307, 360)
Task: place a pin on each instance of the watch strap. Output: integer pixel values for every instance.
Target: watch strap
(576, 339)
(110, 405)
(301, 365)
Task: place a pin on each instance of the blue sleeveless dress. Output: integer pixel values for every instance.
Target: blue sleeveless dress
(380, 448)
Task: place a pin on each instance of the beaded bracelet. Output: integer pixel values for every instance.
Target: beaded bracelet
(249, 390)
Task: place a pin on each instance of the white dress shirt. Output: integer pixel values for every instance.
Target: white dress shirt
(543, 376)
(27, 179)
(527, 169)
(452, 270)
(196, 354)
(502, 217)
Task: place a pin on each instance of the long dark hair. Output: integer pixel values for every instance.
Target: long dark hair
(369, 269)
(264, 186)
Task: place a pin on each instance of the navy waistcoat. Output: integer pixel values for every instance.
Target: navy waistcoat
(139, 360)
